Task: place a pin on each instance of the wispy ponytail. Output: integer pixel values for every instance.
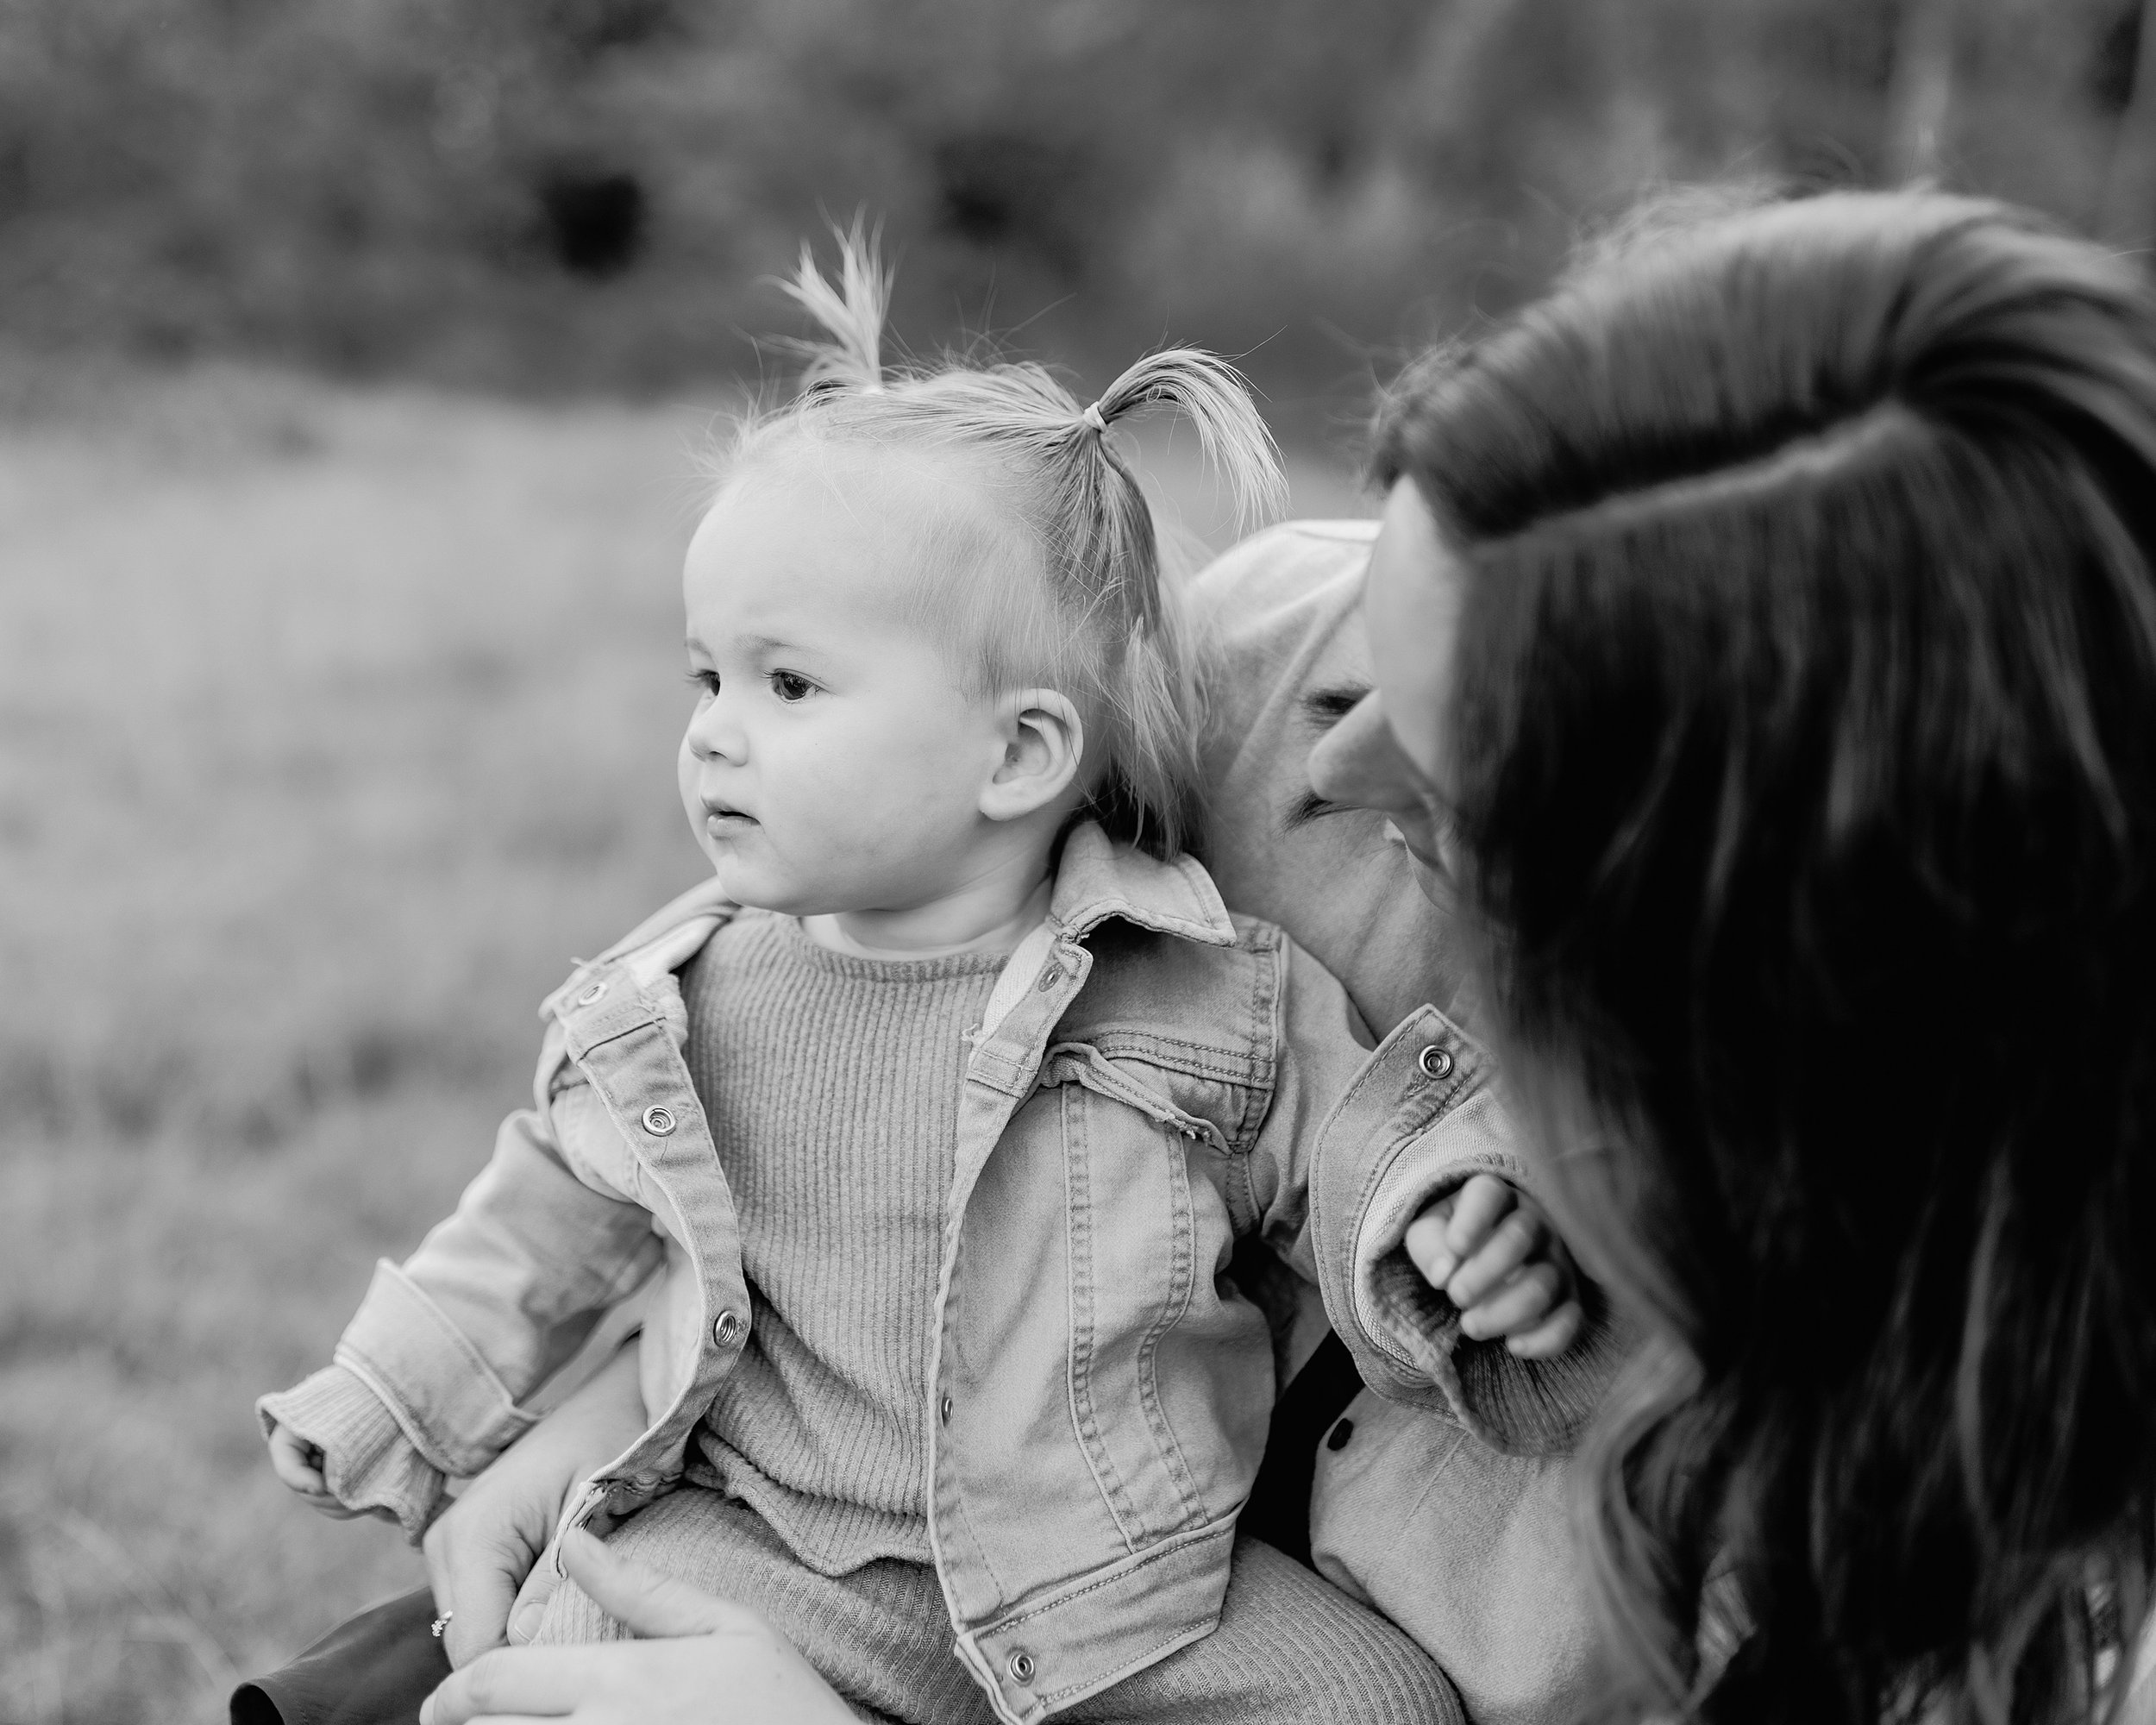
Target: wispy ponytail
(850, 312)
(1216, 399)
(1103, 622)
(1153, 790)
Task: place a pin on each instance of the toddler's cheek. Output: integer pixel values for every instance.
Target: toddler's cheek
(684, 781)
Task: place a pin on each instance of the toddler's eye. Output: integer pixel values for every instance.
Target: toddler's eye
(791, 686)
(706, 681)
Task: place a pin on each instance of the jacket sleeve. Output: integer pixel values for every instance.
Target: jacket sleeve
(1371, 1139)
(1320, 1043)
(447, 1361)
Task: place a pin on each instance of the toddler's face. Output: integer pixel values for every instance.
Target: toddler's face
(832, 763)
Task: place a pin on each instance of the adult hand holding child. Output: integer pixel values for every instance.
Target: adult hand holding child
(483, 1552)
(691, 1648)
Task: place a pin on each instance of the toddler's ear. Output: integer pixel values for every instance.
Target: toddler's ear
(1044, 744)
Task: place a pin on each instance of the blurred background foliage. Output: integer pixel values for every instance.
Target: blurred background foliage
(571, 195)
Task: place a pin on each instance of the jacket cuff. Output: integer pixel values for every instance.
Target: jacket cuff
(436, 1383)
(368, 1463)
(1518, 1406)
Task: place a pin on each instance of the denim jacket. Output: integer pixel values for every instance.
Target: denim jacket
(1148, 1089)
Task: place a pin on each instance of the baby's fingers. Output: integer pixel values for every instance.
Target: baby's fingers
(1479, 1207)
(1551, 1336)
(1521, 1304)
(1511, 1243)
(1426, 1245)
(327, 1505)
(297, 1463)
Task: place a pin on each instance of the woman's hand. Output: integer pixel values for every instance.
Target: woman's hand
(1490, 1250)
(481, 1550)
(699, 1662)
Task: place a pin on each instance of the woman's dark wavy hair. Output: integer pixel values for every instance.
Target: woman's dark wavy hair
(1805, 769)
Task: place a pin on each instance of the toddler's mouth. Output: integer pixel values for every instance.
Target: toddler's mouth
(719, 816)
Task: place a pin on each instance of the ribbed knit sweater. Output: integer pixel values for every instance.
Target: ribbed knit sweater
(831, 1083)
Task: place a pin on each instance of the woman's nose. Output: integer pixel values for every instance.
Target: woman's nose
(1358, 764)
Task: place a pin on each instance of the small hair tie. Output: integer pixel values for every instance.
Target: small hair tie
(1092, 416)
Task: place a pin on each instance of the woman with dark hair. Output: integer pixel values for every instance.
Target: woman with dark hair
(1766, 622)
(1763, 639)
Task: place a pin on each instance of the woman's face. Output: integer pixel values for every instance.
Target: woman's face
(1390, 753)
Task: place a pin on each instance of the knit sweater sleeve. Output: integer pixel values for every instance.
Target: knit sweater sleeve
(369, 1461)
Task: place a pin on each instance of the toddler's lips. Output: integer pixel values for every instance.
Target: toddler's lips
(717, 818)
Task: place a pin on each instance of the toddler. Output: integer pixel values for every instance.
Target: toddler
(929, 1122)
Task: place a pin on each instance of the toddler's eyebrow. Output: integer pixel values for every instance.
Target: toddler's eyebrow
(771, 643)
(754, 644)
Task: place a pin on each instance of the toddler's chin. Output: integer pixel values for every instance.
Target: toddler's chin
(751, 891)
(744, 893)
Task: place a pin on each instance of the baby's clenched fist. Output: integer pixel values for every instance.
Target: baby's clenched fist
(1490, 1251)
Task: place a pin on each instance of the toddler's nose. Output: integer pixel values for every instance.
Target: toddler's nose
(714, 735)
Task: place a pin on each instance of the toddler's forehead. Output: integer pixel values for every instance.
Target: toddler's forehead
(941, 525)
(903, 487)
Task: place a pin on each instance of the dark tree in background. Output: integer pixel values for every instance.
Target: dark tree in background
(589, 193)
(2128, 211)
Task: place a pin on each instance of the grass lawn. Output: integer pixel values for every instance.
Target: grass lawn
(332, 722)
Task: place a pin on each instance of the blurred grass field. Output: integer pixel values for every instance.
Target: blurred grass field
(332, 722)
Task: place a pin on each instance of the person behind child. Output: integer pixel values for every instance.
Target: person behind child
(935, 1114)
(1764, 631)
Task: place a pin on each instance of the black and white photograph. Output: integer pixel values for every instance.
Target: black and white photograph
(1049, 861)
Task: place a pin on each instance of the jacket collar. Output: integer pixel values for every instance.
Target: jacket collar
(1100, 877)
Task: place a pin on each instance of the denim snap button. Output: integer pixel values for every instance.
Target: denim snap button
(591, 994)
(726, 1328)
(658, 1121)
(1435, 1062)
(1021, 1666)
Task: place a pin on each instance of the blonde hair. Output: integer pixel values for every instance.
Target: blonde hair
(1102, 624)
